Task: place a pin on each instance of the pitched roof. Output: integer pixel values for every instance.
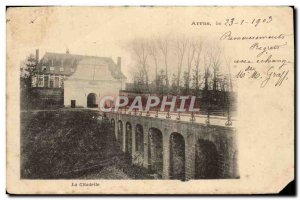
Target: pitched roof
(70, 61)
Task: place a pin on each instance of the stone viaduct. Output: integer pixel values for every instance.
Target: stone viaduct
(177, 149)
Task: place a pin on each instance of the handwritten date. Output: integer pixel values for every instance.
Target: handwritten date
(255, 21)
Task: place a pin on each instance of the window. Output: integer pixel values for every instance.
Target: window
(56, 82)
(72, 69)
(46, 81)
(44, 68)
(61, 69)
(51, 68)
(51, 81)
(41, 81)
(61, 81)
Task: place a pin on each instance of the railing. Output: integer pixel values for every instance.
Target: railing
(180, 116)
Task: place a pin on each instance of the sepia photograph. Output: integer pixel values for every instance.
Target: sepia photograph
(150, 100)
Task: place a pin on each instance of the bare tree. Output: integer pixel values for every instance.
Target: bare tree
(173, 86)
(141, 52)
(181, 45)
(152, 48)
(207, 65)
(227, 98)
(160, 81)
(215, 64)
(186, 83)
(198, 51)
(163, 45)
(139, 80)
(191, 49)
(228, 61)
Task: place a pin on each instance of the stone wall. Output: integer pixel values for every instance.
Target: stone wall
(218, 146)
(46, 97)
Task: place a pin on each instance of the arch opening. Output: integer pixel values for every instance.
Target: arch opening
(91, 100)
(139, 145)
(128, 139)
(112, 123)
(206, 160)
(120, 134)
(177, 156)
(155, 151)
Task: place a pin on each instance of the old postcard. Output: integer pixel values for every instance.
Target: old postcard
(150, 100)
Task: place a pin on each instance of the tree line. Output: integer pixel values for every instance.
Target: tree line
(179, 66)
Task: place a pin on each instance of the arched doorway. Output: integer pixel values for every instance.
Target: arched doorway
(128, 140)
(91, 100)
(177, 156)
(206, 160)
(120, 134)
(155, 150)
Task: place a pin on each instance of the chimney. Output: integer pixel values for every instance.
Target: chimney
(37, 52)
(119, 62)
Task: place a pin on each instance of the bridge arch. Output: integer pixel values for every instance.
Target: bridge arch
(112, 123)
(139, 145)
(155, 150)
(139, 139)
(128, 138)
(177, 156)
(120, 134)
(207, 163)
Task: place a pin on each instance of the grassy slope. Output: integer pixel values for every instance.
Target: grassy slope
(72, 144)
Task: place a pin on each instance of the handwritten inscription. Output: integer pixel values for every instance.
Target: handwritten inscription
(266, 66)
(255, 22)
(229, 36)
(274, 75)
(250, 72)
(263, 60)
(264, 49)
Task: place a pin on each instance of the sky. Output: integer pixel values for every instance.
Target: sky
(99, 32)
